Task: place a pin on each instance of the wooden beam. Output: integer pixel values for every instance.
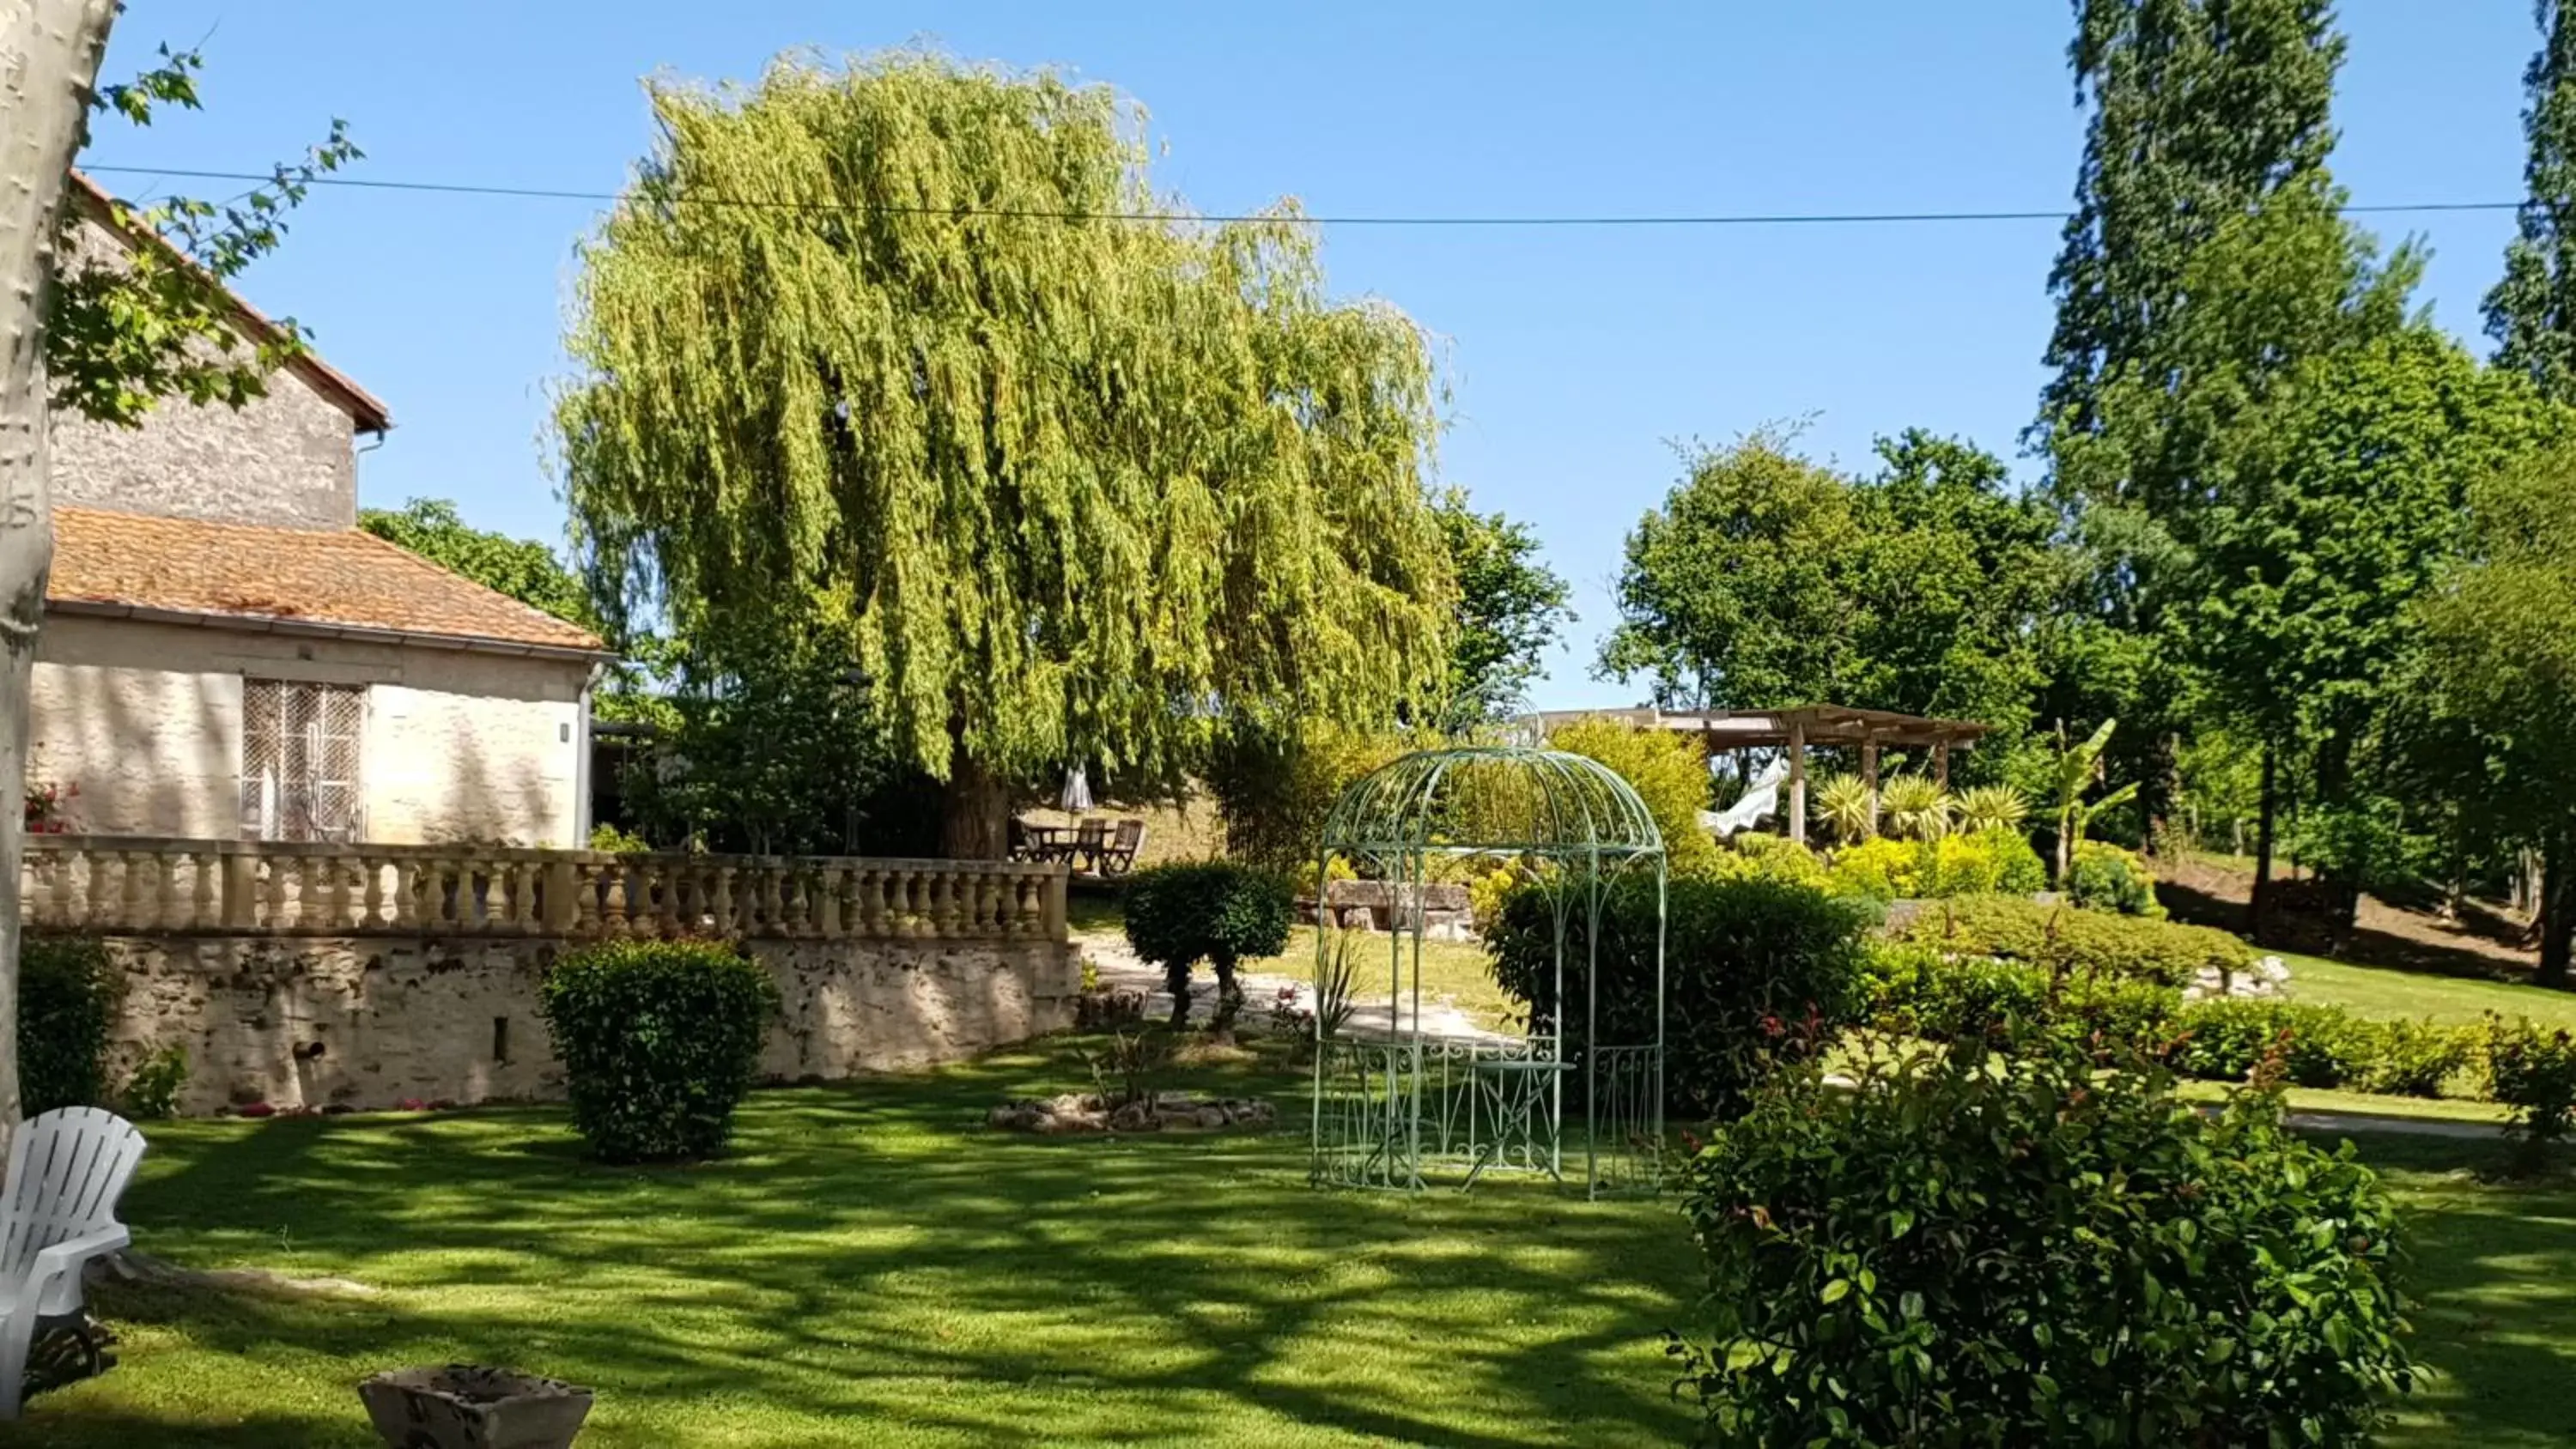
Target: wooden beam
(1798, 781)
(1869, 777)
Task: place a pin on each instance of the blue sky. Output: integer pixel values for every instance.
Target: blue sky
(1577, 356)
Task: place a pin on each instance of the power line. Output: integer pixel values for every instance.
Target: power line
(1673, 219)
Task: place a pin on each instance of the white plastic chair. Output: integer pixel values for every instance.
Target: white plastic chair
(67, 1168)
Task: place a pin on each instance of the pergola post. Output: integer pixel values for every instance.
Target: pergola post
(1869, 777)
(1941, 763)
(1798, 780)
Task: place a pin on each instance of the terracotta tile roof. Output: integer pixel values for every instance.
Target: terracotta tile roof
(263, 577)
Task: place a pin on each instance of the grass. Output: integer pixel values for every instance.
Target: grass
(2369, 1104)
(872, 1265)
(2494, 1279)
(2386, 993)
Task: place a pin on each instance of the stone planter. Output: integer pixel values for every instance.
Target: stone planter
(463, 1407)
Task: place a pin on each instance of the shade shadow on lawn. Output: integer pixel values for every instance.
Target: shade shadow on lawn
(870, 1258)
(2493, 1279)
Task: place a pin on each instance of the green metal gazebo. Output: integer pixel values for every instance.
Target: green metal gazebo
(1398, 1106)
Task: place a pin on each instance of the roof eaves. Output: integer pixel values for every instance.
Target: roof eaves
(365, 411)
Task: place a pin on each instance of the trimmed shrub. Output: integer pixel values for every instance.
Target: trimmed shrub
(2036, 1253)
(1745, 960)
(1918, 991)
(2226, 1037)
(1216, 911)
(2415, 1058)
(68, 994)
(1666, 769)
(2077, 943)
(1771, 857)
(1879, 869)
(1979, 999)
(659, 1040)
(2532, 1069)
(2105, 877)
(2018, 869)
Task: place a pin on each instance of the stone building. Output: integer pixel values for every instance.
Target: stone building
(226, 656)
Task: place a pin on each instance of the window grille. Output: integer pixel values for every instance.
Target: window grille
(299, 774)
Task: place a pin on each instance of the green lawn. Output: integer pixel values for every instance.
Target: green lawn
(2385, 992)
(873, 1266)
(2494, 1279)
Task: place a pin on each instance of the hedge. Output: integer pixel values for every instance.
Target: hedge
(1745, 959)
(2076, 942)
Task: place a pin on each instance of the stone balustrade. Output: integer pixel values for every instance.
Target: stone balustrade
(152, 886)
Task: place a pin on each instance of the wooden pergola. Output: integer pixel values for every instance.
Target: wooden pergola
(1731, 731)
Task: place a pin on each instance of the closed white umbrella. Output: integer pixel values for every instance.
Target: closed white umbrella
(1077, 790)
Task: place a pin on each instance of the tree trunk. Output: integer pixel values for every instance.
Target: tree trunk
(975, 812)
(2557, 910)
(2266, 826)
(49, 52)
(2159, 786)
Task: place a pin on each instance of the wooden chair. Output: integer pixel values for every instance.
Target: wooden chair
(57, 1212)
(1119, 856)
(1088, 842)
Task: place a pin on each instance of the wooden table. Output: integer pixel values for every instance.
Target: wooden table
(1047, 842)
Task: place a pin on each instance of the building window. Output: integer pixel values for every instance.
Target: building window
(299, 773)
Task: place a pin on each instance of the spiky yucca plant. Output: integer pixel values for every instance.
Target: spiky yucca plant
(1843, 802)
(1989, 807)
(1917, 808)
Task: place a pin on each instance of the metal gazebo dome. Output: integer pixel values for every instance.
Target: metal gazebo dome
(1397, 1100)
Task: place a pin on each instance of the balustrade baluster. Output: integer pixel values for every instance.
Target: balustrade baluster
(371, 892)
(205, 871)
(952, 910)
(613, 904)
(272, 892)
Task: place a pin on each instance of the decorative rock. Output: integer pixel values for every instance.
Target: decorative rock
(1085, 1112)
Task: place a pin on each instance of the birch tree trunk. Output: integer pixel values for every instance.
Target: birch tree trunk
(49, 54)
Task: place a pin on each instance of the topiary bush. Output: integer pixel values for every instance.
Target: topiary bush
(1215, 911)
(2077, 943)
(659, 1040)
(2036, 1253)
(68, 994)
(1745, 959)
(2104, 877)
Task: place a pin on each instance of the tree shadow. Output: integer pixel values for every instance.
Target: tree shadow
(2492, 1276)
(871, 1253)
(2361, 946)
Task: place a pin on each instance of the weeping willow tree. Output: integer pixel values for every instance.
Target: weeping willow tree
(913, 354)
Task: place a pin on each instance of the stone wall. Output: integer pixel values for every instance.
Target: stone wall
(370, 1022)
(286, 460)
(146, 720)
